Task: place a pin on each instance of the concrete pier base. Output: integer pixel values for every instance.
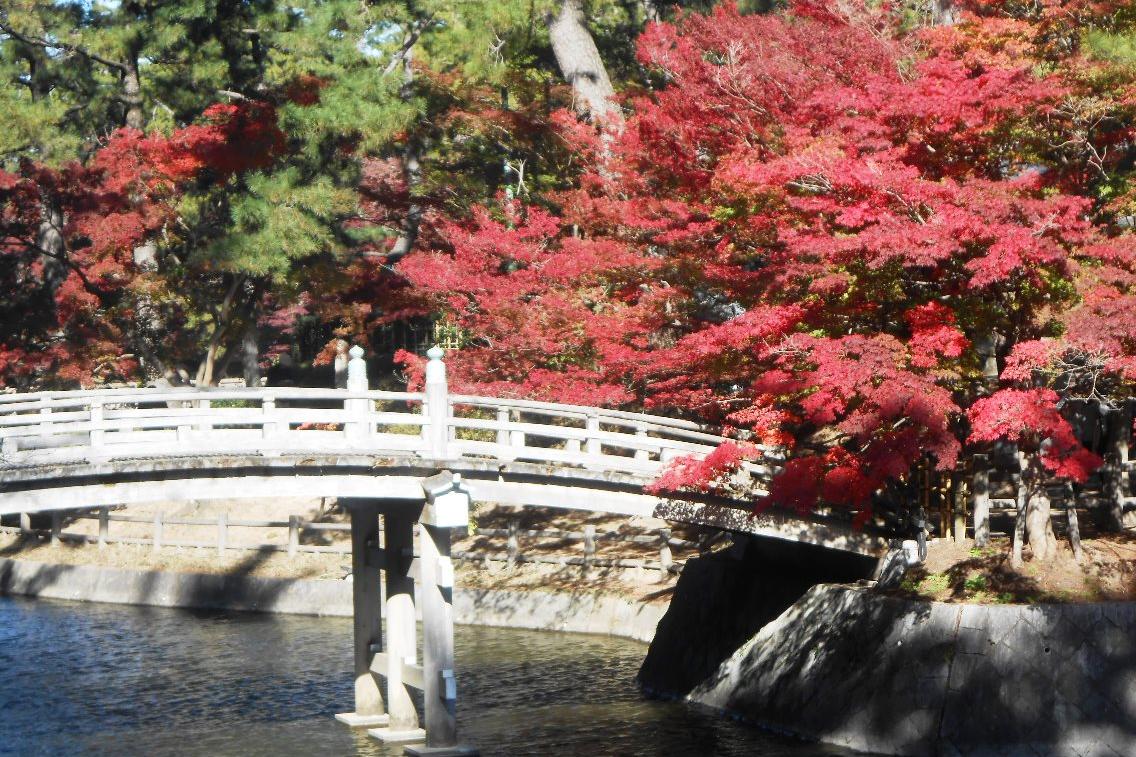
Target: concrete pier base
(362, 721)
(392, 736)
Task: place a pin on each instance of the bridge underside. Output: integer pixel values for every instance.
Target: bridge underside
(94, 484)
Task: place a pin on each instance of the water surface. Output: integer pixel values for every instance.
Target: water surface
(115, 680)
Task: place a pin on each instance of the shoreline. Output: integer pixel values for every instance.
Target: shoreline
(571, 612)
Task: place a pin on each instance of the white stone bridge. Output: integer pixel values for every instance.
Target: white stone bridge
(412, 457)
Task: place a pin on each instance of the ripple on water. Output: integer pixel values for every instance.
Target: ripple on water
(115, 680)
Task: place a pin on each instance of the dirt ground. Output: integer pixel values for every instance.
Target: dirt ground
(637, 583)
(963, 573)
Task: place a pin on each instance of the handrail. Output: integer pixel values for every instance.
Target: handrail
(69, 427)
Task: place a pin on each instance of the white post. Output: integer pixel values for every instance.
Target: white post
(104, 526)
(589, 546)
(592, 446)
(56, 527)
(512, 548)
(437, 404)
(503, 418)
(25, 523)
(666, 560)
(222, 533)
(157, 531)
(96, 420)
(641, 453)
(402, 642)
(293, 535)
(269, 429)
(356, 382)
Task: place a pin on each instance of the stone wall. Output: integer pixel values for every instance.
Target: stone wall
(724, 598)
(545, 611)
(848, 666)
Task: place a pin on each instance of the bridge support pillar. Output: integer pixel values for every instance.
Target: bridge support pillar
(367, 605)
(447, 508)
(402, 633)
(439, 691)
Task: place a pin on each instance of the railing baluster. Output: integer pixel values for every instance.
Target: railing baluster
(56, 527)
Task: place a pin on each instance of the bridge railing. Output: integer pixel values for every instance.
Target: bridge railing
(97, 425)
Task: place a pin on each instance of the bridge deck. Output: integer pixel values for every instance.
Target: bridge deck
(78, 449)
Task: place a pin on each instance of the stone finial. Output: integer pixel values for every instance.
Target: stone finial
(356, 370)
(435, 368)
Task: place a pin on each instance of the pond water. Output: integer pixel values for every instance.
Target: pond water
(110, 679)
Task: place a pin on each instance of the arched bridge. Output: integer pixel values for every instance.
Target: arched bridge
(408, 461)
(78, 449)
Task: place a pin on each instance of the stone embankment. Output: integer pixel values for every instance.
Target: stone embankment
(547, 611)
(846, 665)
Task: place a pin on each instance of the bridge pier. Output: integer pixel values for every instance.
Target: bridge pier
(402, 634)
(367, 604)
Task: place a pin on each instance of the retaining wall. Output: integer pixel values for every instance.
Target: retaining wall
(583, 613)
(848, 666)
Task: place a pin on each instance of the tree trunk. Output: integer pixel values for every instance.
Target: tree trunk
(49, 240)
(1073, 525)
(135, 118)
(1039, 526)
(944, 13)
(1020, 519)
(1115, 473)
(411, 171)
(250, 354)
(581, 65)
(221, 320)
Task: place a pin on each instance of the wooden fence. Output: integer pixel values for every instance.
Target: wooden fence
(512, 554)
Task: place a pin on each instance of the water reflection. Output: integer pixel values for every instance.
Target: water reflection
(107, 679)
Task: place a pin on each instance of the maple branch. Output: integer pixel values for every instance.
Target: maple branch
(27, 39)
(102, 294)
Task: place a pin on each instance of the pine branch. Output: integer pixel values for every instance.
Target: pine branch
(46, 45)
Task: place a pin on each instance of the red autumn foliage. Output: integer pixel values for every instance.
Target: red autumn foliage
(802, 235)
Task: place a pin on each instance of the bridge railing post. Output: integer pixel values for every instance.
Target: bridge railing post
(356, 382)
(96, 416)
(437, 407)
(269, 428)
(592, 443)
(56, 527)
